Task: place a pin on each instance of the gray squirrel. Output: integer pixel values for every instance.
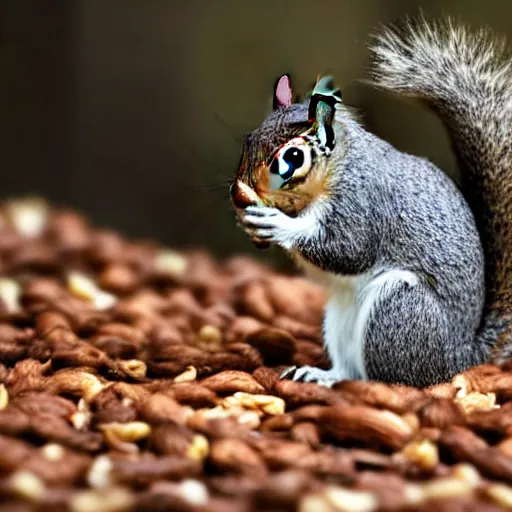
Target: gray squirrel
(398, 245)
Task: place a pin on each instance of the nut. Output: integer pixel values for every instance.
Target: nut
(127, 432)
(231, 381)
(445, 488)
(210, 334)
(199, 449)
(351, 501)
(468, 473)
(4, 397)
(26, 485)
(268, 404)
(170, 262)
(501, 494)
(82, 417)
(10, 292)
(422, 453)
(133, 368)
(189, 375)
(365, 423)
(100, 473)
(85, 288)
(28, 216)
(53, 452)
(193, 492)
(111, 500)
(478, 402)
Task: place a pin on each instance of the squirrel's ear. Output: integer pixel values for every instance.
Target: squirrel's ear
(322, 107)
(283, 94)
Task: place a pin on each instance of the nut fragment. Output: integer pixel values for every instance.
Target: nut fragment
(268, 404)
(468, 473)
(501, 494)
(10, 292)
(210, 334)
(478, 402)
(334, 499)
(127, 432)
(199, 448)
(28, 216)
(351, 501)
(444, 488)
(26, 485)
(422, 453)
(100, 472)
(4, 397)
(85, 288)
(189, 375)
(53, 451)
(193, 492)
(83, 415)
(133, 368)
(111, 500)
(170, 262)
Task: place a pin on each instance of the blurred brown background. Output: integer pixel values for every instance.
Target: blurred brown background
(132, 110)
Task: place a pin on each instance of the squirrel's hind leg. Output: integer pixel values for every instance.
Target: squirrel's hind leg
(408, 339)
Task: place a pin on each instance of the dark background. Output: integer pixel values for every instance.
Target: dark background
(132, 110)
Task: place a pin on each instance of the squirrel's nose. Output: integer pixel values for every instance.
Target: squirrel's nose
(242, 195)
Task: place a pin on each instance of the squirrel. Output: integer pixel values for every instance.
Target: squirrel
(419, 271)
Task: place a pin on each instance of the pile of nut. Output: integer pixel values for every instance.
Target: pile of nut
(134, 377)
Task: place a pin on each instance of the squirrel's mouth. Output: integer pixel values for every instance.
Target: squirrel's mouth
(243, 196)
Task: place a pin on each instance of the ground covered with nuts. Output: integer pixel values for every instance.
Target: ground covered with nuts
(137, 378)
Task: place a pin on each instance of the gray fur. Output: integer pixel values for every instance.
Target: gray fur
(389, 210)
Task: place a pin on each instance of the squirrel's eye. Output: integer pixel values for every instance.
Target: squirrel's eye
(290, 162)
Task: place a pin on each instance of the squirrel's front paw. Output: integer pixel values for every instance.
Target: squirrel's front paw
(269, 224)
(325, 378)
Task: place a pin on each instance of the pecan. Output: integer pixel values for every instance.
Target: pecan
(297, 329)
(231, 381)
(77, 382)
(440, 413)
(237, 456)
(254, 301)
(364, 424)
(13, 421)
(149, 468)
(118, 278)
(281, 491)
(160, 408)
(241, 327)
(52, 428)
(65, 470)
(303, 393)
(266, 377)
(275, 345)
(399, 399)
(13, 453)
(192, 393)
(306, 432)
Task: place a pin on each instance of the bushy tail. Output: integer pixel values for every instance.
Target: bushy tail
(466, 78)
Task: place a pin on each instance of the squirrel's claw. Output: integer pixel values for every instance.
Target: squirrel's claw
(325, 378)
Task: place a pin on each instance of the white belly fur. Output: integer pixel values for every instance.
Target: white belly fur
(348, 311)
